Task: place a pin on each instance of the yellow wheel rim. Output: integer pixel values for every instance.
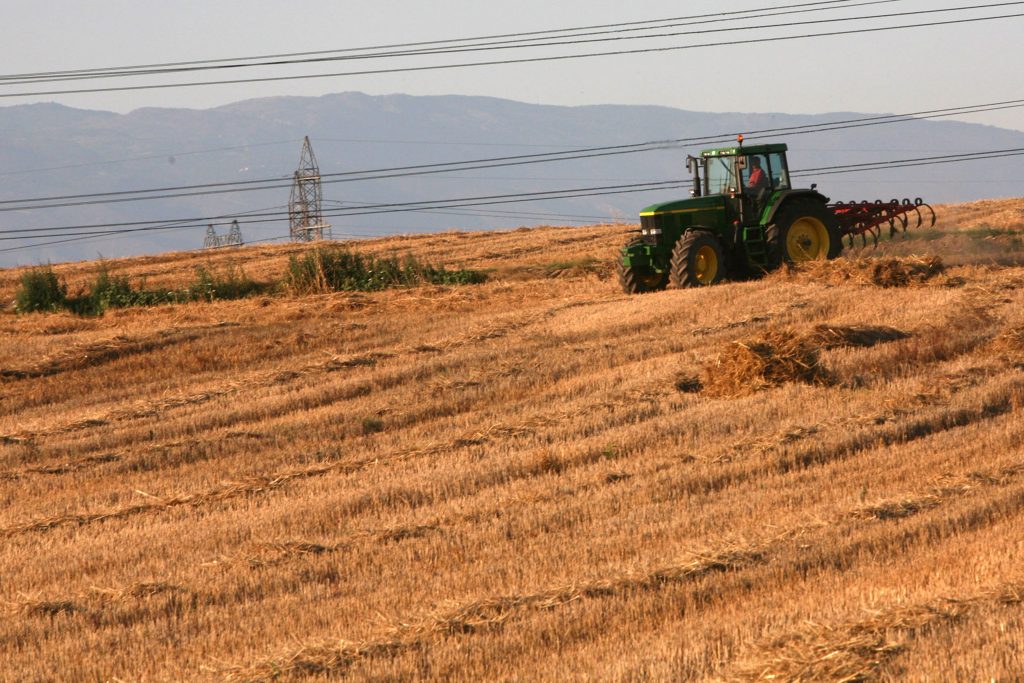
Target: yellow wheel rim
(705, 267)
(807, 240)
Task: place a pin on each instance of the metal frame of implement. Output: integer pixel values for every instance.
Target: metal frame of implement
(866, 218)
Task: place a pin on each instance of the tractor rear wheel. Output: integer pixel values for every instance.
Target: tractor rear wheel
(803, 230)
(638, 279)
(697, 260)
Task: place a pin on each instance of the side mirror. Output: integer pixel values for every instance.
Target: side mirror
(741, 162)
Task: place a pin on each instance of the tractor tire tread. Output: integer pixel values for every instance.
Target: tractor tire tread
(681, 272)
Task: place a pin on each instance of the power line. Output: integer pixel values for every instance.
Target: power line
(266, 217)
(444, 143)
(493, 212)
(77, 232)
(512, 44)
(146, 157)
(926, 161)
(641, 25)
(849, 168)
(525, 60)
(167, 225)
(280, 238)
(491, 162)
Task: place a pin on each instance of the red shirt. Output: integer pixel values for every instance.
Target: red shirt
(757, 179)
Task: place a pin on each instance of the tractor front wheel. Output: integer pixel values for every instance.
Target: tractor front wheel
(636, 279)
(697, 260)
(803, 230)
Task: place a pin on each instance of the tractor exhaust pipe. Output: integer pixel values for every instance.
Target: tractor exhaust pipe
(693, 165)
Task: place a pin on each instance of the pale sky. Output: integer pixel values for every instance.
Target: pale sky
(893, 71)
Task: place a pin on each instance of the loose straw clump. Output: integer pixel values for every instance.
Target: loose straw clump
(1009, 345)
(877, 272)
(778, 357)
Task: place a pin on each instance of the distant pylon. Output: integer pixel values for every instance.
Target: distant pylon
(235, 234)
(232, 239)
(212, 240)
(305, 218)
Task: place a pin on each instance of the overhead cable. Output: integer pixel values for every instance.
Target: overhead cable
(484, 200)
(374, 51)
(492, 162)
(524, 60)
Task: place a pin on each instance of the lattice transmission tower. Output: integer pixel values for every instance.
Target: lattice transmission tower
(305, 217)
(215, 241)
(212, 240)
(235, 234)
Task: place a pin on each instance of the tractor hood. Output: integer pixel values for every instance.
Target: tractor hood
(710, 202)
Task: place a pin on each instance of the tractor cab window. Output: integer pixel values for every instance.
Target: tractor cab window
(755, 174)
(778, 172)
(721, 175)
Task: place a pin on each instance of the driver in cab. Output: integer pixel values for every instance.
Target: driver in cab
(758, 179)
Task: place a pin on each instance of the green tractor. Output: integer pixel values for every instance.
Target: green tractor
(743, 218)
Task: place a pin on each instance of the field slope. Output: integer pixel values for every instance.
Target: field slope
(814, 476)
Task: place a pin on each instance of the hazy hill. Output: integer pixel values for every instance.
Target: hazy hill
(525, 479)
(48, 150)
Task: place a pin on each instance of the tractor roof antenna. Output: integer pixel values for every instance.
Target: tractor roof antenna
(305, 216)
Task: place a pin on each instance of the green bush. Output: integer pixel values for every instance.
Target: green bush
(232, 283)
(318, 270)
(40, 290)
(117, 292)
(321, 270)
(109, 291)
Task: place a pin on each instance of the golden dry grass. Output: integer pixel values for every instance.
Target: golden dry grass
(814, 476)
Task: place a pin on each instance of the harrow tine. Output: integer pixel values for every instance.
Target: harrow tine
(860, 217)
(934, 217)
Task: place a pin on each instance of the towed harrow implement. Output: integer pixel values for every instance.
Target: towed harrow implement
(867, 218)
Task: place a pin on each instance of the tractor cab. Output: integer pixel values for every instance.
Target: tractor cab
(747, 176)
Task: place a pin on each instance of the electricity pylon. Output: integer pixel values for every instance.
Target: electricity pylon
(212, 241)
(305, 217)
(235, 234)
(215, 241)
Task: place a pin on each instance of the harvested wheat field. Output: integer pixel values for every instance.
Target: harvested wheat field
(818, 475)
